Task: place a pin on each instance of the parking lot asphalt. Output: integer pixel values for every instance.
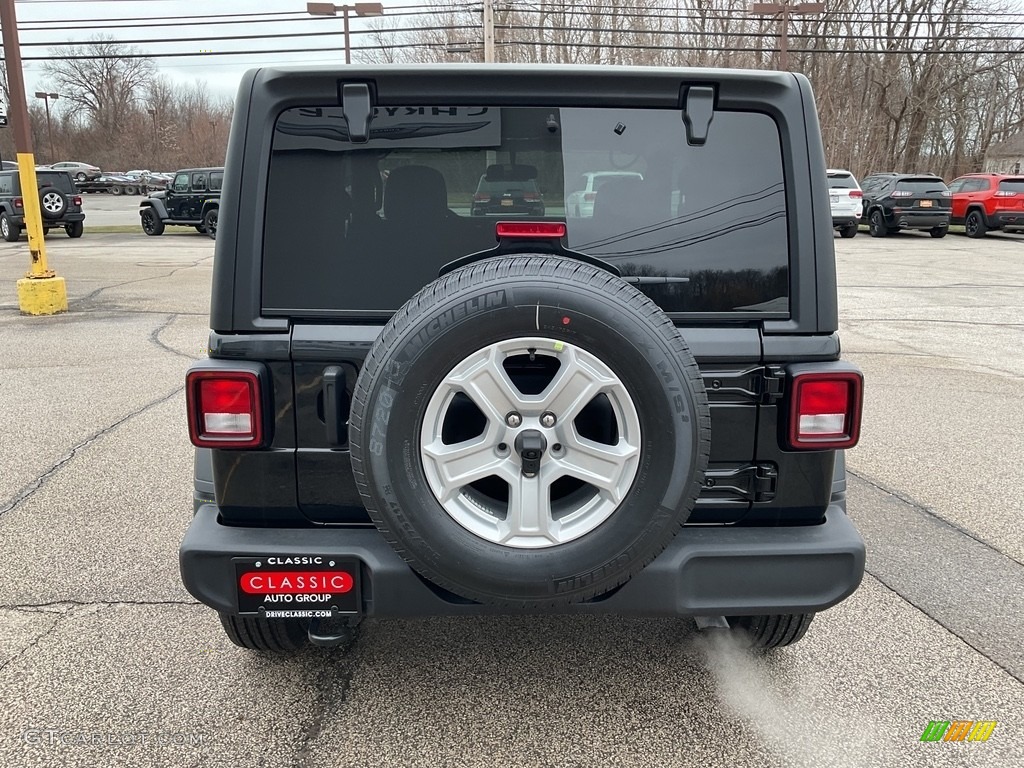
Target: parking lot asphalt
(105, 210)
(106, 660)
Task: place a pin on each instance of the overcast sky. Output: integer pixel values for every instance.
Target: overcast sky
(60, 21)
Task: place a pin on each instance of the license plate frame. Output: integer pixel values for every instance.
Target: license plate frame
(925, 203)
(329, 586)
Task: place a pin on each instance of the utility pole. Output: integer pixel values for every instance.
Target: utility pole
(40, 292)
(783, 11)
(155, 113)
(489, 32)
(47, 97)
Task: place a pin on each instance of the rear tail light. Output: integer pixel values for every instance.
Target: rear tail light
(900, 193)
(946, 193)
(481, 197)
(531, 197)
(1005, 193)
(825, 410)
(856, 194)
(19, 203)
(76, 200)
(544, 230)
(590, 197)
(224, 409)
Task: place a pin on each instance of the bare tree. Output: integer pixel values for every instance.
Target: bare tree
(107, 86)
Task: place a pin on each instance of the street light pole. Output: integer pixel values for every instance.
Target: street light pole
(153, 113)
(49, 128)
(783, 10)
(330, 9)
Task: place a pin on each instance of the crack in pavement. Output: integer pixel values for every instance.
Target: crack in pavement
(38, 607)
(877, 485)
(961, 363)
(58, 618)
(955, 634)
(90, 296)
(28, 490)
(73, 609)
(155, 338)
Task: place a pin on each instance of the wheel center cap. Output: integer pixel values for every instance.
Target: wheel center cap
(530, 445)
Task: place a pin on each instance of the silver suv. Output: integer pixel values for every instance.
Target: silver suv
(846, 201)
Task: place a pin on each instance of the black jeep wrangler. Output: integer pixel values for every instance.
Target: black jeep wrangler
(59, 203)
(192, 199)
(409, 410)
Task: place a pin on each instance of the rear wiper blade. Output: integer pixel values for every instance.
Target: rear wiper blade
(645, 280)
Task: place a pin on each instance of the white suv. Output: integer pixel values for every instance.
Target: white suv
(846, 201)
(579, 203)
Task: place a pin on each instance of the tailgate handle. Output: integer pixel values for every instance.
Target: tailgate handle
(335, 406)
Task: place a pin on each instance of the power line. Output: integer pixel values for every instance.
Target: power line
(231, 18)
(214, 40)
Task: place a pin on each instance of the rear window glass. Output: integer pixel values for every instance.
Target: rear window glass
(59, 179)
(921, 186)
(506, 186)
(841, 181)
(1011, 185)
(705, 225)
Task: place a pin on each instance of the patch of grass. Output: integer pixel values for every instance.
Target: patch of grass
(136, 229)
(118, 229)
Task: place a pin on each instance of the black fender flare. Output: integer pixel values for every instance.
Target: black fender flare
(157, 205)
(207, 205)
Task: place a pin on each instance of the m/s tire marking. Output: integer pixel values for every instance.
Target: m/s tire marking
(673, 386)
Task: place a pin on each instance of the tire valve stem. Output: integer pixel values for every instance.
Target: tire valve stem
(533, 354)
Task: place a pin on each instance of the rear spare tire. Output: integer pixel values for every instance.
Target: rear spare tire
(52, 203)
(529, 431)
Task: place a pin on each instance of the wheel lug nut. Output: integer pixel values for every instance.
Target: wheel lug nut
(547, 419)
(513, 419)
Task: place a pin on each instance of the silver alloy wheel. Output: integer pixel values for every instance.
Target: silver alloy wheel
(5, 226)
(53, 202)
(533, 516)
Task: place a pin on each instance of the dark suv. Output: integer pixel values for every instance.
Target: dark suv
(59, 203)
(506, 190)
(895, 201)
(408, 410)
(191, 199)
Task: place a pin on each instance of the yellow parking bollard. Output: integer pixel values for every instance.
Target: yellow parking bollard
(40, 292)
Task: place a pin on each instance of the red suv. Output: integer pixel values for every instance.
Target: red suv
(984, 201)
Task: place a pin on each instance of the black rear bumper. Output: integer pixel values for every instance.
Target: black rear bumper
(1006, 219)
(919, 220)
(710, 571)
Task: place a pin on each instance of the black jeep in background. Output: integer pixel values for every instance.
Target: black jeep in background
(59, 203)
(410, 410)
(895, 201)
(192, 199)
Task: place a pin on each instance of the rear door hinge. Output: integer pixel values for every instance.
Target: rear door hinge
(772, 383)
(766, 480)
